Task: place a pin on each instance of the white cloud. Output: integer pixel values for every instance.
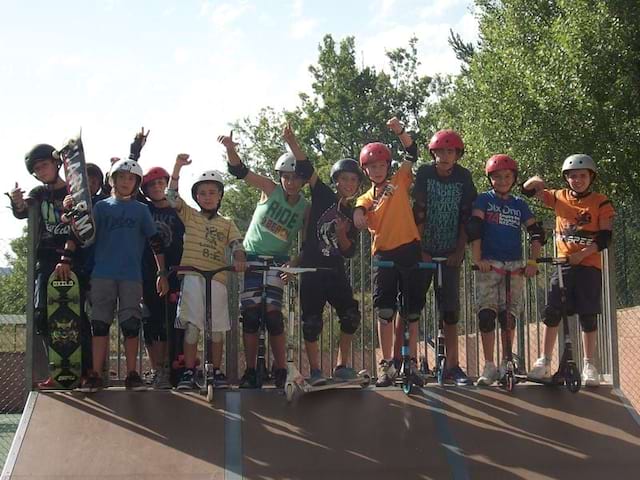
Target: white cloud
(439, 8)
(383, 11)
(224, 15)
(303, 27)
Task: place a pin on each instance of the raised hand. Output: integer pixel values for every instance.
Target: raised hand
(227, 141)
(138, 142)
(17, 197)
(183, 159)
(395, 126)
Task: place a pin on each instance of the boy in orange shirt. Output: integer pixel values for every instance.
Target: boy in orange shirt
(385, 209)
(584, 221)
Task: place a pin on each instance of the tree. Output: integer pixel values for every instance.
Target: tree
(13, 296)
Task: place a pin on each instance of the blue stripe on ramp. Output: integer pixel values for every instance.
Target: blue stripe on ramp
(233, 436)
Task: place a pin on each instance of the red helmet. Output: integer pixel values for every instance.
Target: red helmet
(153, 174)
(374, 151)
(500, 162)
(446, 139)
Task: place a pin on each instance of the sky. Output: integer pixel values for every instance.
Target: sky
(183, 69)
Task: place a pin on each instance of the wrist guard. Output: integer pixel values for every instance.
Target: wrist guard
(527, 192)
(304, 169)
(536, 233)
(603, 239)
(238, 171)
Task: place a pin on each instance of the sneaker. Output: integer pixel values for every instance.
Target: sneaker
(590, 375)
(161, 380)
(48, 384)
(149, 377)
(280, 377)
(343, 373)
(187, 381)
(93, 383)
(220, 379)
(457, 376)
(316, 378)
(249, 380)
(386, 373)
(541, 370)
(489, 374)
(134, 382)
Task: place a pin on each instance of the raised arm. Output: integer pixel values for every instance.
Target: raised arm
(240, 170)
(409, 145)
(304, 168)
(182, 159)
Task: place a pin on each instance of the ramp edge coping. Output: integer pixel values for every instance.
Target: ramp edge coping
(16, 444)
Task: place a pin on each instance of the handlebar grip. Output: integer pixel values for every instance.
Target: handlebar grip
(427, 266)
(553, 260)
(384, 263)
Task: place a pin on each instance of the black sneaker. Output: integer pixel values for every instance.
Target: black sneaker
(249, 380)
(280, 377)
(220, 379)
(134, 382)
(93, 383)
(187, 381)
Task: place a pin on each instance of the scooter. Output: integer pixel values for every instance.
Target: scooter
(207, 385)
(567, 369)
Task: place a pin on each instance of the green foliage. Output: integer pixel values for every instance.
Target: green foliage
(551, 78)
(13, 295)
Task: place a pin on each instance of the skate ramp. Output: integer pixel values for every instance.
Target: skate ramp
(535, 432)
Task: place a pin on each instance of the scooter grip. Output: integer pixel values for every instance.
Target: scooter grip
(427, 266)
(384, 263)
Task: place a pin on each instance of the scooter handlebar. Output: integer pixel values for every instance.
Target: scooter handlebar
(553, 260)
(204, 273)
(417, 266)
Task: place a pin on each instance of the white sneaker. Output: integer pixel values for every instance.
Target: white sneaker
(489, 374)
(590, 375)
(541, 370)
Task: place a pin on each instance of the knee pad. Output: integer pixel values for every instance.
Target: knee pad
(217, 337)
(251, 320)
(486, 320)
(413, 317)
(385, 315)
(349, 321)
(551, 316)
(100, 329)
(275, 322)
(450, 318)
(589, 322)
(130, 327)
(191, 334)
(312, 327)
(507, 321)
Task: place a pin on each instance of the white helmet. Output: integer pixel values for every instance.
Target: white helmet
(126, 165)
(578, 161)
(207, 176)
(286, 163)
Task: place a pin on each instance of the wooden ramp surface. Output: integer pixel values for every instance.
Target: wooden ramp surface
(535, 432)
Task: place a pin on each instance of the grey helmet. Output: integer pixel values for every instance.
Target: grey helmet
(286, 163)
(578, 161)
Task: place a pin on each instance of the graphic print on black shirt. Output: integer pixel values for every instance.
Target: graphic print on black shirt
(53, 232)
(171, 230)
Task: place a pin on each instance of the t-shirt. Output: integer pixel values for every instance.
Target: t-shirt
(578, 221)
(321, 242)
(502, 226)
(171, 231)
(206, 239)
(448, 203)
(389, 215)
(123, 228)
(274, 225)
(53, 232)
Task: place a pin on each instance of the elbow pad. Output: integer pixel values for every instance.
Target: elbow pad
(304, 169)
(238, 171)
(603, 239)
(536, 233)
(412, 152)
(474, 228)
(236, 246)
(157, 245)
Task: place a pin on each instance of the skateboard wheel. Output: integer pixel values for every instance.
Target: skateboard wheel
(210, 393)
(573, 381)
(407, 386)
(289, 390)
(442, 364)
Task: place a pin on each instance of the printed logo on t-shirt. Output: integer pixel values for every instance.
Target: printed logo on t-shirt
(387, 192)
(279, 221)
(326, 228)
(50, 212)
(571, 234)
(442, 215)
(583, 218)
(503, 215)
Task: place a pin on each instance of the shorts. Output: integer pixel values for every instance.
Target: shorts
(448, 297)
(191, 306)
(387, 283)
(490, 288)
(107, 294)
(584, 290)
(318, 288)
(251, 295)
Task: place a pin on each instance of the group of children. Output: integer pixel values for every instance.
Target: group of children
(144, 227)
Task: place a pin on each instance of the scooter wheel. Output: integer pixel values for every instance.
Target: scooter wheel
(407, 386)
(573, 381)
(289, 390)
(210, 393)
(442, 365)
(366, 380)
(509, 381)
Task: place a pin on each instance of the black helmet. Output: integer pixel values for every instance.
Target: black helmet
(94, 170)
(41, 151)
(346, 165)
